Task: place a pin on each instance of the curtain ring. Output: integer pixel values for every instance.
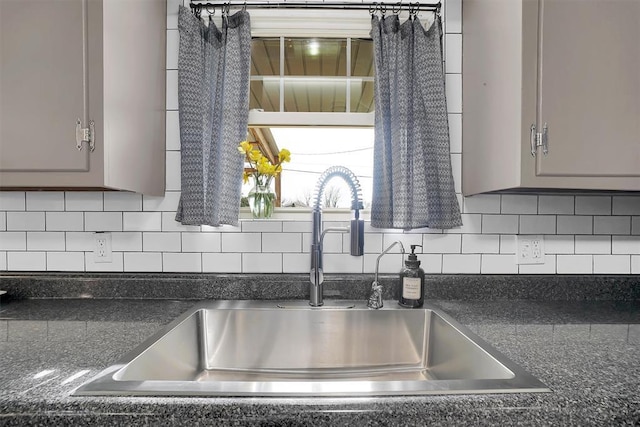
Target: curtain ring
(393, 8)
(211, 12)
(372, 9)
(244, 6)
(383, 9)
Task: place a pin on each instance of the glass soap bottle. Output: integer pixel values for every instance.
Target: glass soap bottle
(411, 282)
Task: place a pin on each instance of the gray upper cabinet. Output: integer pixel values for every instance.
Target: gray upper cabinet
(557, 76)
(99, 63)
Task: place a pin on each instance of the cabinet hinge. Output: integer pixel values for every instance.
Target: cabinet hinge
(87, 135)
(539, 139)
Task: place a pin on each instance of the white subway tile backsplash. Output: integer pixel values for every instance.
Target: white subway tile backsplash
(122, 201)
(455, 133)
(611, 225)
(241, 242)
(413, 239)
(172, 89)
(431, 263)
(25, 221)
(45, 241)
(64, 221)
(65, 261)
(611, 264)
(519, 204)
(480, 243)
(181, 262)
(549, 266)
(453, 88)
(471, 224)
(172, 13)
(593, 205)
(453, 16)
(635, 264)
(456, 170)
(201, 242)
(83, 201)
(635, 225)
(556, 205)
(143, 262)
(169, 223)
(167, 203)
(173, 167)
(12, 200)
(593, 245)
(508, 244)
(221, 263)
(261, 226)
(116, 264)
(173, 40)
(453, 53)
(568, 224)
(282, 242)
(500, 224)
(439, 244)
(13, 241)
(3, 221)
(172, 131)
(45, 200)
(342, 263)
(80, 241)
(482, 203)
(559, 244)
(126, 241)
(626, 205)
(296, 263)
(390, 263)
(537, 224)
(625, 245)
(220, 229)
(373, 243)
(3, 261)
(574, 264)
(26, 261)
(103, 221)
(461, 264)
(261, 263)
(141, 221)
(301, 226)
(498, 264)
(161, 242)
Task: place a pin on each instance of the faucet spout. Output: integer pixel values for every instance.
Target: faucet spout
(356, 229)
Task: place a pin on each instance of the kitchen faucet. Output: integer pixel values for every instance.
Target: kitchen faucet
(356, 229)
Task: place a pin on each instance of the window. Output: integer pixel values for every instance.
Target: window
(312, 93)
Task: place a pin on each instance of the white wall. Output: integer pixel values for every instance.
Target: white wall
(53, 231)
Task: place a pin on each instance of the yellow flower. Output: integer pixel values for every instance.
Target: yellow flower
(245, 177)
(255, 155)
(284, 155)
(244, 147)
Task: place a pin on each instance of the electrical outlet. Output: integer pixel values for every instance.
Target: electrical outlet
(530, 249)
(102, 247)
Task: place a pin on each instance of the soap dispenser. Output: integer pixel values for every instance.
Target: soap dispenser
(411, 282)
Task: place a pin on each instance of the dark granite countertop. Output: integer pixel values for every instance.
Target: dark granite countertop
(587, 352)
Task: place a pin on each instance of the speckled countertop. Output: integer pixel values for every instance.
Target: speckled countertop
(587, 352)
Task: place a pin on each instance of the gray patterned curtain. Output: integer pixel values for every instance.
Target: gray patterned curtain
(412, 180)
(213, 102)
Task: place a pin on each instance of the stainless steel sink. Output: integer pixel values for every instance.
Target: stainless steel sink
(265, 348)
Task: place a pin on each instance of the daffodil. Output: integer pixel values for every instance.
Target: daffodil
(255, 155)
(284, 155)
(245, 177)
(245, 147)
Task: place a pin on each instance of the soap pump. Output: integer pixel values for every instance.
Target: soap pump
(411, 282)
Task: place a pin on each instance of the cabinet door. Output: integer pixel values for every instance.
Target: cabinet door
(42, 85)
(589, 88)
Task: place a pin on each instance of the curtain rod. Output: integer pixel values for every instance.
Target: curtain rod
(371, 6)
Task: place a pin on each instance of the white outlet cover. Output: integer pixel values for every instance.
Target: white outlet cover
(529, 249)
(102, 248)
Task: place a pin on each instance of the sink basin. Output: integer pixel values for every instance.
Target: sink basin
(266, 348)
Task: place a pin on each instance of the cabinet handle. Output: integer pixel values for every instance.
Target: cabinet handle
(533, 140)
